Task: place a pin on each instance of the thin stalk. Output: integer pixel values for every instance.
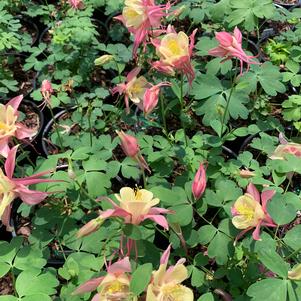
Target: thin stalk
(228, 101)
(90, 125)
(163, 114)
(144, 178)
(182, 106)
(56, 128)
(292, 254)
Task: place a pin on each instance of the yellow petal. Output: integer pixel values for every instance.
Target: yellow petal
(177, 275)
(295, 273)
(127, 194)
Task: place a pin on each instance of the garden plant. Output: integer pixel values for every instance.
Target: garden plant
(150, 150)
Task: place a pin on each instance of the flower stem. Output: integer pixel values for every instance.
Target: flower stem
(56, 128)
(182, 107)
(90, 126)
(163, 114)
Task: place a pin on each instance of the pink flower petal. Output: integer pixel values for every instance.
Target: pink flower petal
(252, 190)
(89, 286)
(165, 256)
(15, 102)
(4, 148)
(159, 219)
(120, 267)
(238, 35)
(133, 73)
(30, 197)
(10, 162)
(24, 132)
(256, 232)
(265, 197)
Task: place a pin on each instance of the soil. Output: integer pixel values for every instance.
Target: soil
(287, 2)
(46, 37)
(31, 120)
(6, 285)
(29, 28)
(102, 77)
(26, 79)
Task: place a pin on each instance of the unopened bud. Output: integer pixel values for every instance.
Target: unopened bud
(295, 273)
(106, 58)
(199, 182)
(177, 12)
(129, 144)
(92, 226)
(244, 173)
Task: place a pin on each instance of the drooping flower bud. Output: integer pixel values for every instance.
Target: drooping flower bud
(92, 226)
(46, 87)
(246, 174)
(177, 12)
(76, 4)
(199, 182)
(295, 273)
(129, 144)
(106, 58)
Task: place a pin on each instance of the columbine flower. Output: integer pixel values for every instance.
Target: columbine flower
(230, 46)
(175, 52)
(151, 97)
(135, 206)
(250, 211)
(11, 188)
(141, 17)
(114, 286)
(199, 182)
(76, 4)
(285, 149)
(133, 89)
(9, 127)
(131, 148)
(46, 91)
(166, 283)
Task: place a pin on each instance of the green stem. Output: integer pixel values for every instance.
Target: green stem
(163, 114)
(90, 126)
(182, 107)
(228, 101)
(56, 129)
(292, 254)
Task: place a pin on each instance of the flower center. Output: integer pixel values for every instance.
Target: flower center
(172, 293)
(117, 291)
(138, 194)
(7, 121)
(174, 47)
(246, 211)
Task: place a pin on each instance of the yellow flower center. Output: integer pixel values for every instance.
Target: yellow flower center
(116, 287)
(172, 293)
(117, 291)
(7, 121)
(246, 211)
(174, 47)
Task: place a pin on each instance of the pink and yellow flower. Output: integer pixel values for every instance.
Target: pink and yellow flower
(9, 125)
(11, 188)
(175, 51)
(133, 88)
(114, 286)
(285, 149)
(166, 282)
(230, 46)
(141, 17)
(135, 206)
(250, 211)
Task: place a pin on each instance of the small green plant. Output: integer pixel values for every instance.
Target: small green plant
(278, 52)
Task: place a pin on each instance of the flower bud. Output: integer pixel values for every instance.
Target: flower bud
(199, 182)
(246, 174)
(295, 273)
(71, 173)
(106, 58)
(129, 144)
(177, 12)
(92, 226)
(46, 86)
(151, 98)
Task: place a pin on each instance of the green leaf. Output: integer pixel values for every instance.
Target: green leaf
(206, 297)
(4, 268)
(293, 238)
(132, 231)
(274, 262)
(221, 248)
(271, 289)
(28, 258)
(141, 278)
(8, 298)
(197, 277)
(97, 182)
(32, 283)
(206, 234)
